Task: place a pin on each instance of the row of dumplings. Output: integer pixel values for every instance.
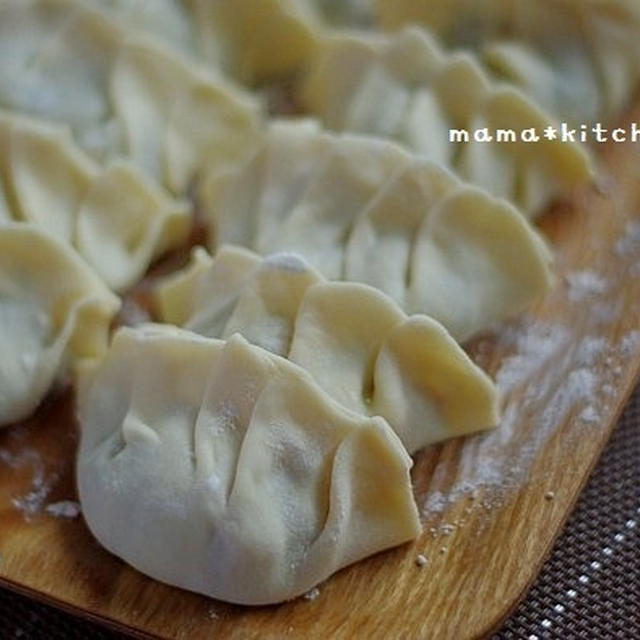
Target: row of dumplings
(259, 439)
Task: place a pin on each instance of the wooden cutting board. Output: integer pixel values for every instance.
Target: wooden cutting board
(493, 504)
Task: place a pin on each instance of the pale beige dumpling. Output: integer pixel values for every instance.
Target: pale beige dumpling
(116, 218)
(123, 93)
(252, 40)
(578, 58)
(54, 315)
(356, 343)
(405, 87)
(256, 40)
(221, 468)
(363, 209)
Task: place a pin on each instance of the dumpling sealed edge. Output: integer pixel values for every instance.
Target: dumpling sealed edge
(54, 314)
(356, 343)
(578, 58)
(364, 209)
(115, 216)
(123, 93)
(223, 469)
(404, 86)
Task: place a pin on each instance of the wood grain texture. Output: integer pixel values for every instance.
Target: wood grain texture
(478, 568)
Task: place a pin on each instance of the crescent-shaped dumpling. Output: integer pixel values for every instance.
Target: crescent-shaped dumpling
(578, 58)
(405, 87)
(54, 313)
(122, 93)
(355, 342)
(363, 209)
(221, 468)
(114, 216)
(255, 41)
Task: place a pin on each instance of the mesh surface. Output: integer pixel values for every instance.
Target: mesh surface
(589, 587)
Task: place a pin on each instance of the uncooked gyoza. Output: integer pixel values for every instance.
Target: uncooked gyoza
(122, 94)
(218, 465)
(221, 468)
(54, 313)
(578, 58)
(254, 40)
(364, 210)
(117, 219)
(403, 86)
(267, 39)
(354, 341)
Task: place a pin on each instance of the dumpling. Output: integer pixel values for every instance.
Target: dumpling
(252, 40)
(54, 313)
(354, 341)
(223, 469)
(403, 86)
(117, 219)
(363, 209)
(256, 40)
(578, 58)
(248, 204)
(177, 119)
(122, 94)
(237, 291)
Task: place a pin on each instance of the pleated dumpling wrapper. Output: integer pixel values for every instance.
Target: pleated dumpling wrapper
(405, 87)
(261, 40)
(223, 469)
(122, 93)
(363, 209)
(256, 40)
(54, 314)
(356, 343)
(252, 40)
(578, 58)
(117, 219)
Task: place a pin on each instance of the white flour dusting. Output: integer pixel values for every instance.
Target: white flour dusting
(579, 388)
(63, 509)
(312, 594)
(605, 312)
(629, 343)
(590, 349)
(31, 503)
(629, 243)
(534, 347)
(585, 284)
(20, 460)
(286, 261)
(589, 414)
(628, 247)
(548, 378)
